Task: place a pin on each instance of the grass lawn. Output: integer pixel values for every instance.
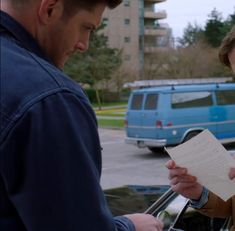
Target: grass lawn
(111, 123)
(122, 104)
(117, 112)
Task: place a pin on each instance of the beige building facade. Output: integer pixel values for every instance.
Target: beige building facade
(135, 28)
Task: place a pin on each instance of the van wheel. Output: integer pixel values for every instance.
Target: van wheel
(191, 135)
(156, 149)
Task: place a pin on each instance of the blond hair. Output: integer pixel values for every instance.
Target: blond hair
(226, 47)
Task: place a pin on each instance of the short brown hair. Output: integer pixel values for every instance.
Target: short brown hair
(226, 47)
(73, 5)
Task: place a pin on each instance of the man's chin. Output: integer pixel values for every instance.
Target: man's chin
(61, 64)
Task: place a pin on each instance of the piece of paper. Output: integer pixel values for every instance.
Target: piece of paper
(209, 161)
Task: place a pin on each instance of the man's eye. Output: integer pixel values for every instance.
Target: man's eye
(88, 28)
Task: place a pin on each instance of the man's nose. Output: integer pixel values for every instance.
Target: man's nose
(82, 46)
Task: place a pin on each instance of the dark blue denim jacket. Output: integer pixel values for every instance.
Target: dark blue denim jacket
(50, 158)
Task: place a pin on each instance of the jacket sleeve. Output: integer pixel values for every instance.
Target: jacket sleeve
(51, 165)
(216, 207)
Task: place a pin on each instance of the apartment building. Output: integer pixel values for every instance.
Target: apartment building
(135, 28)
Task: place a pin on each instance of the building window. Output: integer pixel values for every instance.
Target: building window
(127, 39)
(105, 21)
(127, 21)
(126, 2)
(127, 57)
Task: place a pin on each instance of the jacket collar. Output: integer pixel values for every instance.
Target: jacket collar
(10, 26)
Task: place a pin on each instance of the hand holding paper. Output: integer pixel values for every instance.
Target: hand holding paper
(208, 160)
(232, 173)
(183, 183)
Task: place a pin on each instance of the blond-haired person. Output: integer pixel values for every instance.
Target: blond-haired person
(181, 182)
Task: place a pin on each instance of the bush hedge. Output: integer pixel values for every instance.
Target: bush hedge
(107, 96)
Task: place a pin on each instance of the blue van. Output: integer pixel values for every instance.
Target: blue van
(169, 115)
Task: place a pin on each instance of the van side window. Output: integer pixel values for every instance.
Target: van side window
(225, 97)
(151, 102)
(136, 103)
(191, 99)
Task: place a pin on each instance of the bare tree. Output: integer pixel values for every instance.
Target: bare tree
(195, 61)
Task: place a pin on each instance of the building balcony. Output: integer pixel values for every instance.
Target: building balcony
(154, 49)
(155, 31)
(155, 1)
(155, 15)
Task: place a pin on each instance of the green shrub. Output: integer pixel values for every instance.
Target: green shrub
(91, 95)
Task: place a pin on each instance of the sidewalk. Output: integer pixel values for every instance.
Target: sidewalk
(109, 107)
(111, 117)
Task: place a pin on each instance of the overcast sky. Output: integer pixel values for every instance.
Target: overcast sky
(181, 12)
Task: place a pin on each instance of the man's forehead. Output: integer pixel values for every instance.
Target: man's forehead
(231, 57)
(93, 18)
(231, 54)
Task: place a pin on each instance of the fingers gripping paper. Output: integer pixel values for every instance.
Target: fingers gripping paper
(209, 161)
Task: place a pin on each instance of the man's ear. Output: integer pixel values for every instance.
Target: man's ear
(50, 10)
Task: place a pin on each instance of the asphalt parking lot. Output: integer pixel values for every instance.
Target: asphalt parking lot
(125, 164)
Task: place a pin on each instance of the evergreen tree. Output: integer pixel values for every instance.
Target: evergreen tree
(97, 64)
(230, 22)
(192, 35)
(215, 29)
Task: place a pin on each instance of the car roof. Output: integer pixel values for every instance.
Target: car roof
(186, 88)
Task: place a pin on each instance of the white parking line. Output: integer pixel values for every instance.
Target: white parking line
(112, 142)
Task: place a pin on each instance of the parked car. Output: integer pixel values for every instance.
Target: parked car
(169, 115)
(163, 203)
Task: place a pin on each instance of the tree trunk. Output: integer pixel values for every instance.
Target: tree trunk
(98, 98)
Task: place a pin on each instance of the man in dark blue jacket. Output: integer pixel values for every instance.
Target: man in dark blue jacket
(50, 157)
